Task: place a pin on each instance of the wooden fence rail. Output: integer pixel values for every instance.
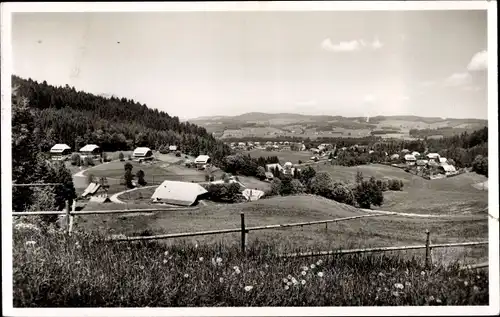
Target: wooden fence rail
(383, 249)
(94, 212)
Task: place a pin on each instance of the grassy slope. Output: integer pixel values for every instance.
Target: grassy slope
(383, 231)
(442, 196)
(284, 156)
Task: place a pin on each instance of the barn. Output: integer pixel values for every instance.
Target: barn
(143, 153)
(59, 151)
(178, 193)
(90, 150)
(202, 160)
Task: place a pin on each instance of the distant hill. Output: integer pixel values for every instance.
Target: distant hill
(259, 124)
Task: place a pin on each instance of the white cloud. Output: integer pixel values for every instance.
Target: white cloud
(479, 61)
(350, 46)
(428, 83)
(458, 79)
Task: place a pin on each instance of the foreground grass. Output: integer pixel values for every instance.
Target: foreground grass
(52, 270)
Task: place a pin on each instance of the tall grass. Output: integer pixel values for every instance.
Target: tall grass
(53, 270)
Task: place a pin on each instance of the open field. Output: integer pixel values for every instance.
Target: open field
(84, 272)
(441, 196)
(369, 232)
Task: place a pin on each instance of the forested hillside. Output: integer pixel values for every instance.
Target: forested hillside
(65, 115)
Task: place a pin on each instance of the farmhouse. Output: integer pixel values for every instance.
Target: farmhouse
(178, 193)
(202, 160)
(395, 157)
(90, 150)
(405, 151)
(415, 153)
(433, 157)
(443, 160)
(143, 153)
(274, 166)
(447, 169)
(286, 148)
(172, 148)
(58, 151)
(410, 159)
(422, 162)
(269, 176)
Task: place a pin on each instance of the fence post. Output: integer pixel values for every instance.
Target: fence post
(326, 226)
(243, 232)
(68, 215)
(72, 219)
(427, 250)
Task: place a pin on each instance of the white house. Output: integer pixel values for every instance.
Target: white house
(58, 151)
(434, 157)
(178, 193)
(142, 153)
(90, 150)
(443, 160)
(394, 156)
(415, 153)
(448, 169)
(172, 148)
(410, 159)
(274, 166)
(202, 160)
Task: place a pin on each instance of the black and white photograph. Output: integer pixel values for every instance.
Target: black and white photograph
(250, 158)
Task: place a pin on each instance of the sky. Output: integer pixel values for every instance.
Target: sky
(192, 64)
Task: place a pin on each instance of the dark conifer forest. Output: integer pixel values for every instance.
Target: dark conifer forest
(76, 118)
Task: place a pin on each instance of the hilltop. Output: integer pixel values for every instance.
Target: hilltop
(259, 124)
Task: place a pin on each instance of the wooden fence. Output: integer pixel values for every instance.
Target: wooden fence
(244, 230)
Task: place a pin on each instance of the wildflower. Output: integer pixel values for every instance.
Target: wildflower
(30, 242)
(379, 289)
(431, 298)
(313, 266)
(186, 275)
(466, 283)
(201, 259)
(303, 273)
(285, 280)
(475, 288)
(407, 272)
(381, 274)
(221, 280)
(248, 288)
(78, 262)
(399, 286)
(407, 284)
(166, 253)
(305, 268)
(320, 274)
(303, 282)
(237, 271)
(141, 267)
(165, 261)
(438, 301)
(196, 246)
(395, 294)
(78, 246)
(289, 277)
(236, 268)
(422, 273)
(266, 266)
(287, 287)
(294, 281)
(288, 283)
(319, 262)
(393, 269)
(261, 273)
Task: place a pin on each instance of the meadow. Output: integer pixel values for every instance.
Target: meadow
(53, 270)
(284, 156)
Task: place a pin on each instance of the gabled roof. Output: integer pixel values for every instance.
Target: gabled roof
(172, 147)
(269, 175)
(59, 148)
(415, 153)
(89, 148)
(178, 193)
(409, 157)
(203, 159)
(141, 151)
(274, 165)
(448, 168)
(252, 194)
(288, 164)
(432, 155)
(442, 160)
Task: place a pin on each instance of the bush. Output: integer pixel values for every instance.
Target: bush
(275, 187)
(140, 178)
(88, 161)
(76, 159)
(178, 154)
(227, 192)
(480, 165)
(212, 178)
(306, 175)
(207, 178)
(130, 157)
(300, 162)
(321, 185)
(261, 173)
(395, 184)
(342, 194)
(90, 178)
(121, 157)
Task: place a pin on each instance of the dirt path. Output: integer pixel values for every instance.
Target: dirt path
(114, 198)
(404, 214)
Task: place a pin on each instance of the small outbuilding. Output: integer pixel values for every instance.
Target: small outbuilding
(172, 148)
(90, 150)
(143, 153)
(202, 160)
(59, 151)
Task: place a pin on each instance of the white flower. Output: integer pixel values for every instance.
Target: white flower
(289, 277)
(294, 281)
(287, 287)
(303, 282)
(305, 268)
(30, 242)
(141, 267)
(320, 274)
(466, 283)
(237, 272)
(266, 266)
(236, 268)
(313, 266)
(396, 294)
(165, 261)
(399, 286)
(407, 284)
(431, 298)
(78, 262)
(221, 280)
(285, 280)
(201, 259)
(248, 288)
(289, 283)
(319, 262)
(422, 273)
(438, 301)
(186, 275)
(166, 253)
(218, 260)
(303, 273)
(475, 288)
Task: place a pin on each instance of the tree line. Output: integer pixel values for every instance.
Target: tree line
(76, 118)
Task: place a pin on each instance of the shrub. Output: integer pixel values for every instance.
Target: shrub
(300, 162)
(140, 178)
(227, 192)
(480, 165)
(207, 177)
(76, 159)
(130, 157)
(321, 185)
(127, 166)
(178, 154)
(306, 175)
(88, 161)
(90, 178)
(212, 178)
(342, 194)
(394, 184)
(261, 173)
(121, 157)
(275, 187)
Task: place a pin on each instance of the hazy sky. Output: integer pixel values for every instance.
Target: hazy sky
(190, 64)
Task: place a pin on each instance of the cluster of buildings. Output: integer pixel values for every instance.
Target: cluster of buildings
(269, 145)
(431, 161)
